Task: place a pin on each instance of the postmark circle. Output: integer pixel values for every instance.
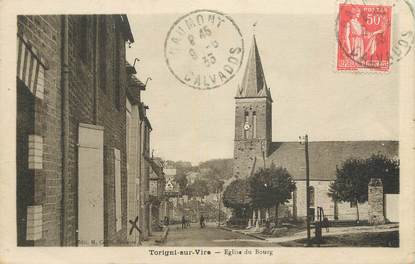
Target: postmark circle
(204, 49)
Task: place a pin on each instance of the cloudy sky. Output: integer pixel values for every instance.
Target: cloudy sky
(298, 56)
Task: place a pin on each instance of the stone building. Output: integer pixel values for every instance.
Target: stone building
(254, 148)
(71, 130)
(138, 129)
(157, 198)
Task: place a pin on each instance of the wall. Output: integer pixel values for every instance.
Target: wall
(43, 32)
(376, 201)
(249, 150)
(144, 212)
(83, 105)
(89, 104)
(24, 176)
(170, 171)
(133, 160)
(321, 188)
(392, 207)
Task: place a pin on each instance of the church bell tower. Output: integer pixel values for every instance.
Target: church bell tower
(253, 118)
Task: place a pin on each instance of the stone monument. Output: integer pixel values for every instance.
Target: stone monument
(375, 202)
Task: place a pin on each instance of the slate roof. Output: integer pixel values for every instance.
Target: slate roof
(253, 82)
(134, 87)
(324, 156)
(157, 170)
(128, 35)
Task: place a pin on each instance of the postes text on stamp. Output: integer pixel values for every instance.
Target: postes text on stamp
(204, 49)
(364, 37)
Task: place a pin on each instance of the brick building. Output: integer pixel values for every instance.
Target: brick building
(71, 130)
(138, 129)
(254, 148)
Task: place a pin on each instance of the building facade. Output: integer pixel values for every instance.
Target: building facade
(254, 148)
(72, 85)
(139, 162)
(157, 198)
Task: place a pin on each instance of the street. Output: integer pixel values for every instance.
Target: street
(209, 236)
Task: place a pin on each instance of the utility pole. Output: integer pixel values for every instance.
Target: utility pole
(307, 171)
(263, 152)
(219, 194)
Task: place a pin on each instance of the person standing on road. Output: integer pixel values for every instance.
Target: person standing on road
(202, 221)
(183, 222)
(166, 220)
(326, 223)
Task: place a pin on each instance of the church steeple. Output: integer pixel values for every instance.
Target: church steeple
(253, 118)
(253, 82)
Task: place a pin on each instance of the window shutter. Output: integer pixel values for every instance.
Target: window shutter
(30, 67)
(34, 222)
(117, 166)
(35, 152)
(90, 185)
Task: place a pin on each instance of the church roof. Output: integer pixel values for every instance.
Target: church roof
(253, 82)
(324, 156)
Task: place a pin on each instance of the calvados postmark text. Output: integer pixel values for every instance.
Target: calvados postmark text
(204, 49)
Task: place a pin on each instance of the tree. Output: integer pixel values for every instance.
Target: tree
(379, 166)
(215, 185)
(236, 197)
(271, 187)
(352, 179)
(217, 169)
(199, 188)
(181, 179)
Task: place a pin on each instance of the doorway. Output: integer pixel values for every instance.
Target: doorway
(91, 186)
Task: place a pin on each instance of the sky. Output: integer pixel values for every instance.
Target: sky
(298, 56)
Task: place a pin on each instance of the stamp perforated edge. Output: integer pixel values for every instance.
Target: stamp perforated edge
(362, 71)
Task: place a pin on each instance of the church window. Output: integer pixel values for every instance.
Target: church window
(254, 124)
(246, 122)
(312, 198)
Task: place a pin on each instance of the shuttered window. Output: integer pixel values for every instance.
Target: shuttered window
(312, 196)
(30, 67)
(246, 119)
(117, 167)
(91, 185)
(34, 222)
(35, 152)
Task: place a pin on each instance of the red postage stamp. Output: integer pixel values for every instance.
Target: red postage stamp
(364, 34)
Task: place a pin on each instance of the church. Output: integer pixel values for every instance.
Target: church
(254, 148)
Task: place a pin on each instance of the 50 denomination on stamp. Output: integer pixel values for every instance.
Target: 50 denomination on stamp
(364, 37)
(204, 49)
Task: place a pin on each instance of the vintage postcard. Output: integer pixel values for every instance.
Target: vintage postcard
(208, 131)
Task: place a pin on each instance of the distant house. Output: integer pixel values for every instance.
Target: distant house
(157, 191)
(192, 176)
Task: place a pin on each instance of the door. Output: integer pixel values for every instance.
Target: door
(90, 186)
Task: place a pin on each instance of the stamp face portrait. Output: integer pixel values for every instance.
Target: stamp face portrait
(204, 49)
(364, 37)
